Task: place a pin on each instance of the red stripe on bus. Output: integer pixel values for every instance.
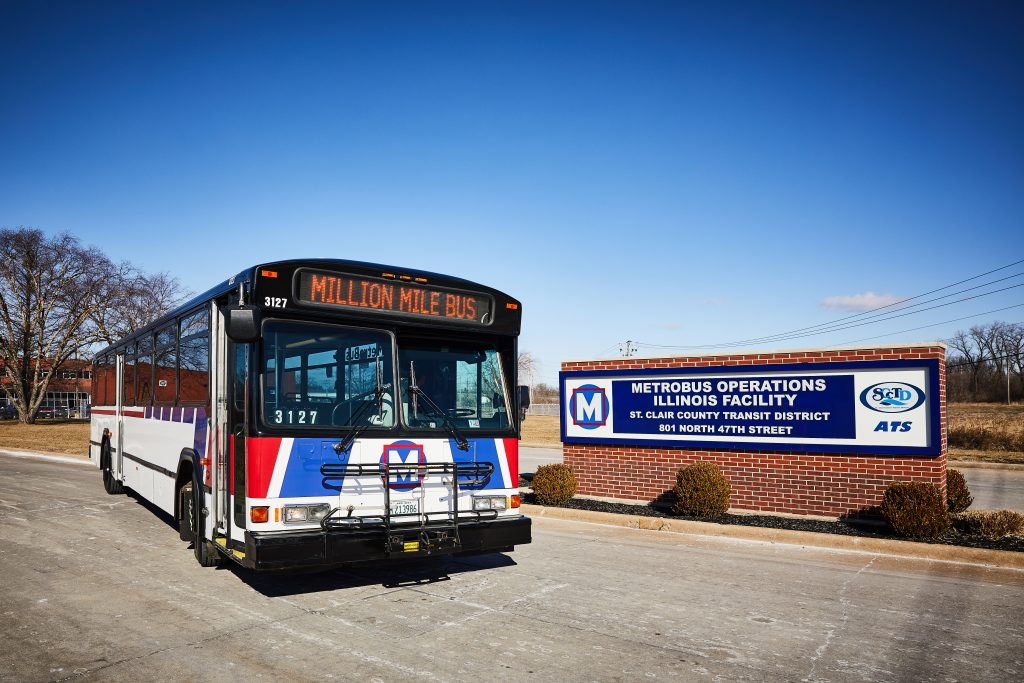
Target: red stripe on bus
(231, 467)
(126, 413)
(260, 458)
(512, 455)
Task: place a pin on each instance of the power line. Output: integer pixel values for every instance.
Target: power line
(981, 360)
(944, 322)
(834, 328)
(828, 327)
(873, 310)
(873, 313)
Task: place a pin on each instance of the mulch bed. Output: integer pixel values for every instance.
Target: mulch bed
(867, 527)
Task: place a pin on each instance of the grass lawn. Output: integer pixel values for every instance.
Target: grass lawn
(46, 436)
(541, 430)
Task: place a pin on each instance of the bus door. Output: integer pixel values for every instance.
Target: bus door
(219, 432)
(117, 438)
(230, 380)
(238, 420)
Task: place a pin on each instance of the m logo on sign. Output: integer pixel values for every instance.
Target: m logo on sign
(398, 454)
(588, 407)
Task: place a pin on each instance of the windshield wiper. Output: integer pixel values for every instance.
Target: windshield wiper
(359, 428)
(460, 440)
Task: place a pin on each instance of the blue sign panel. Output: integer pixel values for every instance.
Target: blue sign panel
(882, 407)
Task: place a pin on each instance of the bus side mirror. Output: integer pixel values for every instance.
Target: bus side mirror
(524, 401)
(242, 323)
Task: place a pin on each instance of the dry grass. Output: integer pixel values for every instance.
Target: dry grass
(46, 436)
(541, 430)
(986, 426)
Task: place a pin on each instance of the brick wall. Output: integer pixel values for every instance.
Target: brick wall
(772, 481)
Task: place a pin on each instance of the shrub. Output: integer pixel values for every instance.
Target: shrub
(992, 524)
(701, 490)
(554, 484)
(958, 496)
(915, 509)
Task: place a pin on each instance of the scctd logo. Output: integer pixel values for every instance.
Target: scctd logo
(588, 407)
(892, 397)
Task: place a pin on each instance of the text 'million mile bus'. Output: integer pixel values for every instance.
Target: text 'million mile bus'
(321, 412)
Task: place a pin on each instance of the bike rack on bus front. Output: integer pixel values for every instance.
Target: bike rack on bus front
(432, 532)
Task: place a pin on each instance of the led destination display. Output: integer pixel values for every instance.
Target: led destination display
(339, 290)
(867, 407)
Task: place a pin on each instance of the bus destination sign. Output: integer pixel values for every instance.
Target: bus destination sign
(339, 290)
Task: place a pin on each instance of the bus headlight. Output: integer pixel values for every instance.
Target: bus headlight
(296, 514)
(490, 503)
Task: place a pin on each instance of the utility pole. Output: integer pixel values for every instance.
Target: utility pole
(627, 349)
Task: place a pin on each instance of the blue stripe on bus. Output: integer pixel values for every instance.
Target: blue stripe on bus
(302, 476)
(486, 450)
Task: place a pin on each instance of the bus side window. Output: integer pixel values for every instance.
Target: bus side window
(194, 359)
(241, 369)
(128, 387)
(97, 381)
(110, 380)
(166, 365)
(144, 370)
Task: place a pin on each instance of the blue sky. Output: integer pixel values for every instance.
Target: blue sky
(672, 173)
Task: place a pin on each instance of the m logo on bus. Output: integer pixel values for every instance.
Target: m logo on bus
(588, 407)
(402, 453)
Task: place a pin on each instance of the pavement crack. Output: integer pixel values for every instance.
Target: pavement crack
(834, 632)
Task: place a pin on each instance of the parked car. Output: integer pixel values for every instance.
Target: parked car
(8, 412)
(49, 412)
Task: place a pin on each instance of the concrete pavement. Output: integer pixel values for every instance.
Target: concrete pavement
(99, 587)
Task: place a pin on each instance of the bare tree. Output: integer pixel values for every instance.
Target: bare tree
(527, 366)
(49, 288)
(138, 300)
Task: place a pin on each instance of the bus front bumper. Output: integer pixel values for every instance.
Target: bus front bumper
(268, 551)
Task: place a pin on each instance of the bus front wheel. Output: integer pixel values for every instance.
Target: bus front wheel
(191, 504)
(110, 483)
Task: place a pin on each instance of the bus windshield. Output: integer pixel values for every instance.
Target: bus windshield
(326, 376)
(462, 382)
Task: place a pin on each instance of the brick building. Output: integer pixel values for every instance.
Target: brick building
(67, 394)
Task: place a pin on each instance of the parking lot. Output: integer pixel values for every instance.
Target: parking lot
(100, 587)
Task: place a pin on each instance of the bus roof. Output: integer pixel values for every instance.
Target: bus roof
(247, 276)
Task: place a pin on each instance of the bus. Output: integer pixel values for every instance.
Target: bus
(316, 413)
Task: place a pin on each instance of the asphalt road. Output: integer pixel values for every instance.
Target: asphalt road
(98, 587)
(992, 489)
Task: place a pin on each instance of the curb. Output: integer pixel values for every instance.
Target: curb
(908, 549)
(52, 457)
(976, 465)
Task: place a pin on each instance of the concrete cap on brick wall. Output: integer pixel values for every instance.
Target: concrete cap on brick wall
(696, 353)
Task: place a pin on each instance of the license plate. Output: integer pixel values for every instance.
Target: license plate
(404, 507)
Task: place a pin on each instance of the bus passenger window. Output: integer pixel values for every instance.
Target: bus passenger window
(194, 352)
(128, 387)
(144, 370)
(166, 366)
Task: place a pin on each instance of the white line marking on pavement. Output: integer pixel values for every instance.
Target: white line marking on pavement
(41, 456)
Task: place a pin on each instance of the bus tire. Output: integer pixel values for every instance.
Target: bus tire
(110, 483)
(191, 504)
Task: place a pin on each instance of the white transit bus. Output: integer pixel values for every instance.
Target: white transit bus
(321, 412)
